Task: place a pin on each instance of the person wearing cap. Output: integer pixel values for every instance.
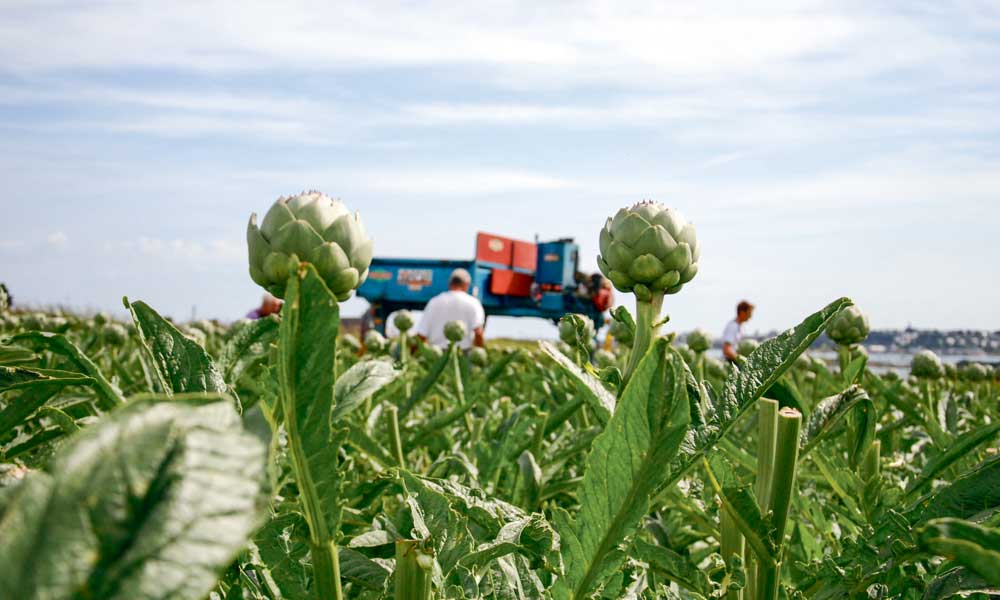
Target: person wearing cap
(456, 304)
(733, 333)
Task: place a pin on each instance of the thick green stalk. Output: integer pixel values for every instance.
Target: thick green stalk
(782, 488)
(699, 366)
(413, 571)
(326, 569)
(767, 439)
(397, 441)
(404, 359)
(647, 318)
(731, 543)
(457, 370)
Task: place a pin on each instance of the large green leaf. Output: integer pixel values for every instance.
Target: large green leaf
(247, 346)
(974, 547)
(108, 396)
(310, 320)
(744, 387)
(601, 401)
(152, 502)
(832, 410)
(359, 383)
(35, 387)
(961, 447)
(972, 493)
(180, 364)
(673, 567)
(628, 461)
(424, 385)
(958, 582)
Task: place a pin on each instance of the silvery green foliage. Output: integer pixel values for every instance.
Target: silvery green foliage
(647, 249)
(849, 327)
(455, 331)
(318, 230)
(699, 340)
(577, 330)
(745, 347)
(926, 365)
(375, 341)
(478, 357)
(403, 320)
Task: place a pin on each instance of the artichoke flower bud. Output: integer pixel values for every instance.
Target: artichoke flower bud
(975, 372)
(746, 347)
(687, 354)
(648, 249)
(699, 340)
(849, 327)
(624, 334)
(926, 365)
(375, 342)
(478, 357)
(316, 229)
(576, 330)
(455, 331)
(114, 334)
(403, 320)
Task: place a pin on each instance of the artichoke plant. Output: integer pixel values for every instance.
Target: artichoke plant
(455, 331)
(478, 357)
(648, 250)
(316, 229)
(604, 359)
(114, 334)
(849, 327)
(622, 333)
(926, 365)
(577, 330)
(746, 347)
(975, 372)
(699, 340)
(403, 320)
(375, 342)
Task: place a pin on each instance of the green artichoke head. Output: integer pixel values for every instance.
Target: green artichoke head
(648, 249)
(849, 327)
(699, 340)
(624, 334)
(975, 372)
(687, 354)
(403, 320)
(455, 331)
(375, 341)
(746, 347)
(114, 334)
(577, 330)
(478, 357)
(926, 365)
(316, 229)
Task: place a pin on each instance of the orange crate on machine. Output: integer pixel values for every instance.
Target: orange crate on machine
(494, 250)
(504, 282)
(525, 259)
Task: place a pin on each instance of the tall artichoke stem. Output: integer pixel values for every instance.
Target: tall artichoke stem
(413, 571)
(731, 543)
(699, 367)
(647, 327)
(767, 439)
(326, 569)
(404, 359)
(397, 441)
(782, 489)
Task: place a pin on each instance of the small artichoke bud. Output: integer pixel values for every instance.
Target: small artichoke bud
(101, 318)
(746, 347)
(403, 320)
(648, 249)
(803, 362)
(950, 371)
(576, 330)
(849, 327)
(351, 342)
(624, 334)
(316, 229)
(455, 331)
(114, 334)
(604, 359)
(926, 365)
(975, 372)
(478, 357)
(687, 354)
(715, 368)
(699, 340)
(375, 342)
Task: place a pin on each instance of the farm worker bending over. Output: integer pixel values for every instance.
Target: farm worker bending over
(269, 305)
(454, 305)
(733, 333)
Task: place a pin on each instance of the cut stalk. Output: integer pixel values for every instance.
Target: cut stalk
(647, 327)
(782, 487)
(413, 571)
(767, 438)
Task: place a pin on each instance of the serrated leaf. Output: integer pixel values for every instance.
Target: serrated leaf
(674, 566)
(974, 547)
(591, 389)
(108, 396)
(359, 383)
(831, 411)
(961, 447)
(973, 492)
(247, 346)
(625, 465)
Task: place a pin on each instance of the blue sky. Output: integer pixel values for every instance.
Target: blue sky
(822, 149)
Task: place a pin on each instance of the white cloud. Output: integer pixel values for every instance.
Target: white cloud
(178, 249)
(57, 239)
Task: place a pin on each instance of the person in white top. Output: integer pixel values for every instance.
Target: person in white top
(733, 333)
(454, 305)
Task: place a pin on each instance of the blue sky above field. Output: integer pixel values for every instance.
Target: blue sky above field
(823, 149)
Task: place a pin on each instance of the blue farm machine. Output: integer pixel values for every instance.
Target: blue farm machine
(511, 278)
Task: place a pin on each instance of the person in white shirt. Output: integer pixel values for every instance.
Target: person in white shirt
(733, 333)
(454, 305)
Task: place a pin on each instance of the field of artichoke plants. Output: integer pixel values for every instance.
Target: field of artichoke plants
(277, 458)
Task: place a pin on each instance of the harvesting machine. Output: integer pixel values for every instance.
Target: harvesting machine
(511, 278)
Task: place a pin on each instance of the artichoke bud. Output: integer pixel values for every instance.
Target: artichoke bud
(454, 331)
(478, 357)
(375, 342)
(926, 365)
(746, 347)
(577, 331)
(648, 249)
(849, 327)
(699, 340)
(313, 228)
(403, 320)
